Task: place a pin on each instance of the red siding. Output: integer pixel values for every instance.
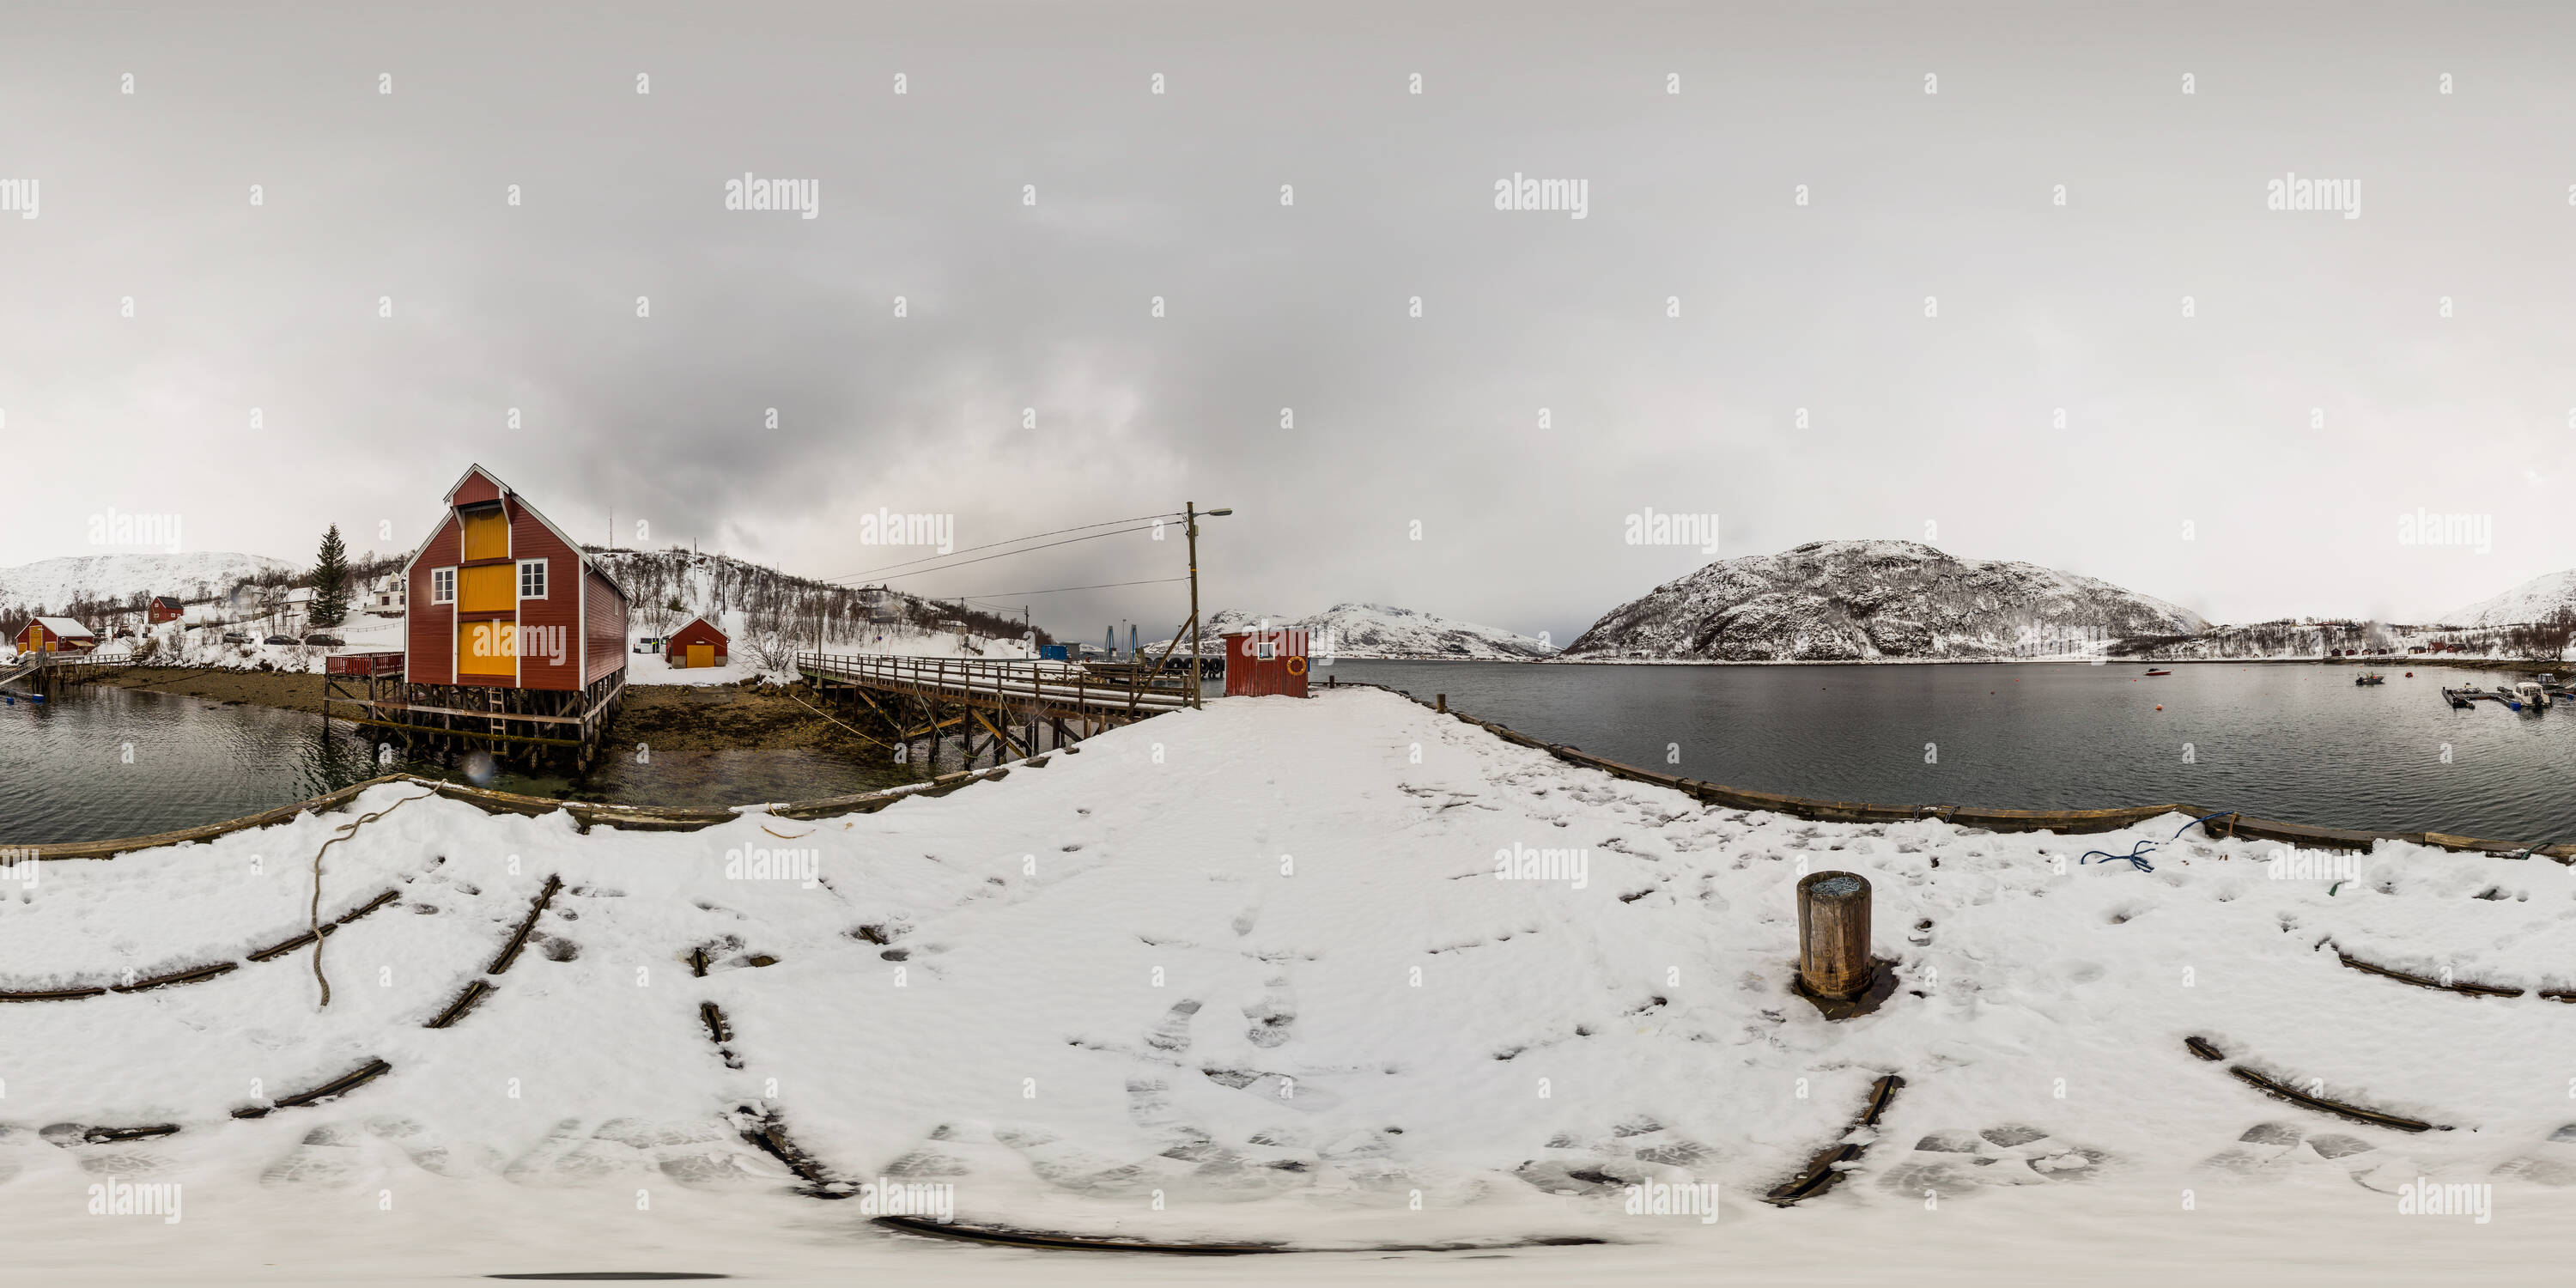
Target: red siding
(698, 631)
(549, 628)
(1284, 672)
(429, 632)
(554, 653)
(607, 626)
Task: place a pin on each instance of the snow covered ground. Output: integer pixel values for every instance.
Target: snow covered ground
(1249, 974)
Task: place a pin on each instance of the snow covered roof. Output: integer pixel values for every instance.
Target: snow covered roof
(64, 628)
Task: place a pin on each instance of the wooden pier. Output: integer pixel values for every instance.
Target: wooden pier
(371, 689)
(44, 670)
(1021, 707)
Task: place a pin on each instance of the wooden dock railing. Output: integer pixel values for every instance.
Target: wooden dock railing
(1057, 688)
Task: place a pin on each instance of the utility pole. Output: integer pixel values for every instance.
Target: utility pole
(1190, 511)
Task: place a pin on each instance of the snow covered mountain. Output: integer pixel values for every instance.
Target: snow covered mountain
(1832, 601)
(198, 574)
(2528, 602)
(1373, 631)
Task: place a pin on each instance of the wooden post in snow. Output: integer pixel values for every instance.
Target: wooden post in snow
(1833, 933)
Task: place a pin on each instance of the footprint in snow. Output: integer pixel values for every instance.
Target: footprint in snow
(432, 1156)
(2273, 1150)
(1639, 1149)
(15, 1144)
(1272, 1016)
(1952, 1161)
(2553, 1164)
(696, 1152)
(328, 1155)
(1173, 1034)
(1284, 1090)
(103, 1158)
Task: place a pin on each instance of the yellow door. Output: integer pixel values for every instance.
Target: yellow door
(486, 536)
(702, 655)
(487, 589)
(486, 649)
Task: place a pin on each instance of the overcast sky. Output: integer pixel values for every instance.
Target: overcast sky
(2188, 466)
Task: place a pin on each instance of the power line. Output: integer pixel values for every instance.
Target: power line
(1012, 541)
(1008, 553)
(1013, 594)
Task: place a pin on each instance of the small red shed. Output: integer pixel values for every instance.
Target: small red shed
(56, 635)
(1265, 663)
(166, 608)
(697, 644)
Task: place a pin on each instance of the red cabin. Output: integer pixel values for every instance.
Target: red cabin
(166, 608)
(695, 645)
(502, 598)
(56, 635)
(1265, 663)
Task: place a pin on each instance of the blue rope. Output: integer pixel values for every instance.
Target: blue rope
(2137, 855)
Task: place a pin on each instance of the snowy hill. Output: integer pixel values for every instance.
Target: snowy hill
(1370, 631)
(768, 615)
(195, 575)
(2529, 602)
(1856, 600)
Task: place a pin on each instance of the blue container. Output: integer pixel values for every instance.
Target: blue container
(1056, 652)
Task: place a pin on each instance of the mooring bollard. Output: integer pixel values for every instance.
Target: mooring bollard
(1444, 702)
(1833, 933)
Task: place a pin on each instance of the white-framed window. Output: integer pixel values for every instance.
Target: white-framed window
(442, 585)
(532, 579)
(1265, 650)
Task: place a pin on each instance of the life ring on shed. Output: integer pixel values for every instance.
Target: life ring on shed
(1296, 666)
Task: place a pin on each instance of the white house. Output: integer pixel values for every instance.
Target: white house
(295, 610)
(385, 596)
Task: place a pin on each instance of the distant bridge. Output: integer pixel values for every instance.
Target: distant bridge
(1016, 705)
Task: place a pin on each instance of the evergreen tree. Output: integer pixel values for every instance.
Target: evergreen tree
(331, 581)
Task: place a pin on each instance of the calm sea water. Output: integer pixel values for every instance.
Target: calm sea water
(98, 763)
(2295, 742)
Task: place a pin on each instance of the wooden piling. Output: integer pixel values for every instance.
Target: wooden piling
(1833, 933)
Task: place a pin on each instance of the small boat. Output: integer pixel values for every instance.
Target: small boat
(2453, 697)
(2159, 672)
(2372, 678)
(2533, 695)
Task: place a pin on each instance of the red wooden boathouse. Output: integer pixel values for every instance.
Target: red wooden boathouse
(515, 636)
(697, 644)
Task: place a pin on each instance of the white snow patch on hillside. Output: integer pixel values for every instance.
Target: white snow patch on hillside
(193, 575)
(2529, 602)
(1368, 631)
(1842, 601)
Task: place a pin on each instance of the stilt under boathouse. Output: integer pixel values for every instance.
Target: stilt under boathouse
(515, 642)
